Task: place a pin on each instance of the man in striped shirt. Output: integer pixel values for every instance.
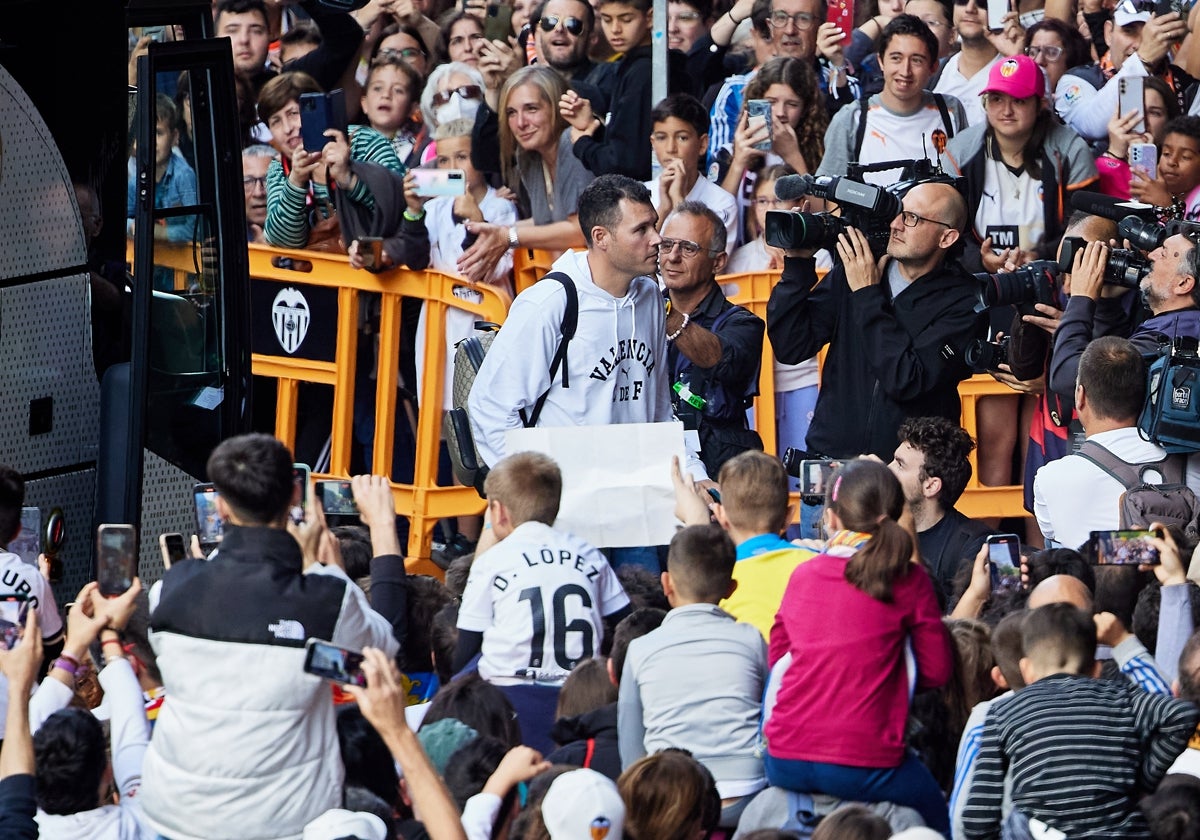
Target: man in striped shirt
(1079, 751)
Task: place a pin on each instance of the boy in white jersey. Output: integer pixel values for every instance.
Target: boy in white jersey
(535, 602)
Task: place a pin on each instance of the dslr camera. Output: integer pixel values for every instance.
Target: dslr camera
(983, 355)
(864, 206)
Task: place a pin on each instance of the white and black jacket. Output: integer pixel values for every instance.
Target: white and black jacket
(245, 743)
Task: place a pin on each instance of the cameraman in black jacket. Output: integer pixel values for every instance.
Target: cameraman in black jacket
(896, 328)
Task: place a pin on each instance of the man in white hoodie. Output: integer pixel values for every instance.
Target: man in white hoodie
(615, 369)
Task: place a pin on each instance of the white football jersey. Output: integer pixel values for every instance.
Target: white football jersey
(538, 597)
(18, 576)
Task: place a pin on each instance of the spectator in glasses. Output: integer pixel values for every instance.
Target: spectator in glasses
(1086, 96)
(453, 91)
(939, 17)
(256, 160)
(565, 30)
(409, 43)
(1055, 46)
(688, 21)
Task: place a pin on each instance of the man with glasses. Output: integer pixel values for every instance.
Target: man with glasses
(896, 327)
(966, 72)
(256, 160)
(565, 31)
(714, 347)
(1138, 45)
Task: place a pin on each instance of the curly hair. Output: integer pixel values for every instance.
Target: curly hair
(802, 79)
(947, 449)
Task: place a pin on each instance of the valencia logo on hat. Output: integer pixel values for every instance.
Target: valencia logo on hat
(1009, 67)
(600, 828)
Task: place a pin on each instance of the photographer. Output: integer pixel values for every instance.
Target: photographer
(1170, 291)
(896, 327)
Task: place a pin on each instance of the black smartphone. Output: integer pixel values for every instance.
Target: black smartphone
(814, 476)
(497, 23)
(300, 476)
(173, 549)
(370, 250)
(320, 112)
(330, 662)
(1004, 562)
(209, 525)
(28, 543)
(337, 499)
(116, 558)
(13, 607)
(714, 494)
(1125, 548)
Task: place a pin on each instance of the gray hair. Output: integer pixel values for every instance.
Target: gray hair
(431, 87)
(716, 243)
(260, 150)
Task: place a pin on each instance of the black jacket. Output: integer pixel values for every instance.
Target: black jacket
(341, 36)
(728, 386)
(888, 360)
(596, 729)
(622, 145)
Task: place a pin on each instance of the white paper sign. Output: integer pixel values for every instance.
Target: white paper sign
(617, 488)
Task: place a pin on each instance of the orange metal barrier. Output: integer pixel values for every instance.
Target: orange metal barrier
(423, 501)
(529, 266)
(753, 291)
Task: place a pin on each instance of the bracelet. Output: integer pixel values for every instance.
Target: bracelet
(732, 19)
(408, 214)
(513, 242)
(116, 642)
(64, 664)
(1111, 154)
(679, 331)
(69, 658)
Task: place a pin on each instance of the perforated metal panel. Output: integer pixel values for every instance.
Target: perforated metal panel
(166, 507)
(74, 493)
(40, 229)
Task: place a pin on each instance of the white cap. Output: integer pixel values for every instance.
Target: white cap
(583, 805)
(338, 823)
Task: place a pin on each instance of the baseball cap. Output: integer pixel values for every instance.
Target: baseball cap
(1018, 76)
(583, 805)
(338, 823)
(1131, 11)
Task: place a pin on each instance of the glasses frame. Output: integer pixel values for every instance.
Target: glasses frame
(465, 91)
(687, 248)
(905, 215)
(1052, 53)
(779, 19)
(571, 25)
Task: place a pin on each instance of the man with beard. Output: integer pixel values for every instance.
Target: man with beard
(965, 74)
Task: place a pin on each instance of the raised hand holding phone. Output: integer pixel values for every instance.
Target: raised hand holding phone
(116, 558)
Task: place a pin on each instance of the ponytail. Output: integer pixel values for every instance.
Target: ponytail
(884, 559)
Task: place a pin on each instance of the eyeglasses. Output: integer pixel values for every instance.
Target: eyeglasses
(982, 4)
(459, 40)
(1051, 53)
(763, 201)
(911, 219)
(464, 92)
(573, 25)
(407, 52)
(687, 247)
(686, 17)
(1001, 100)
(250, 183)
(780, 19)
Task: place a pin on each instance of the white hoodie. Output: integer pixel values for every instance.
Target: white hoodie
(617, 361)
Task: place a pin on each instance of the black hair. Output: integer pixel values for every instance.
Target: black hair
(354, 541)
(470, 766)
(700, 562)
(947, 449)
(1113, 376)
(1060, 561)
(12, 498)
(1173, 811)
(633, 626)
(1146, 612)
(905, 24)
(302, 32)
(457, 573)
(643, 587)
(600, 202)
(70, 758)
(1062, 635)
(1187, 125)
(240, 7)
(684, 107)
(1189, 670)
(426, 596)
(852, 822)
(589, 15)
(355, 798)
(368, 762)
(480, 705)
(1076, 49)
(443, 640)
(253, 474)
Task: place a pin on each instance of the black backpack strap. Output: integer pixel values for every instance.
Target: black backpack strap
(569, 323)
(940, 101)
(861, 132)
(1130, 475)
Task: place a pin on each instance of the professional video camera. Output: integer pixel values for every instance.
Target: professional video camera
(864, 206)
(1125, 266)
(1034, 282)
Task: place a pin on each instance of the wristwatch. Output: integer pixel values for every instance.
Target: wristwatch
(512, 237)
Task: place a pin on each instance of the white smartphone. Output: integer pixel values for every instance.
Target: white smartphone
(757, 109)
(1131, 97)
(434, 182)
(996, 10)
(1144, 157)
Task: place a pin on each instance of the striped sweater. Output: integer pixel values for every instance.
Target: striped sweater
(1079, 752)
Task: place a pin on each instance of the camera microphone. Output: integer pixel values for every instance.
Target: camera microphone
(1099, 204)
(791, 187)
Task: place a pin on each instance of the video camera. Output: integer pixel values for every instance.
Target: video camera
(864, 206)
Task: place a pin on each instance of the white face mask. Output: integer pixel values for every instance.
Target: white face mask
(457, 108)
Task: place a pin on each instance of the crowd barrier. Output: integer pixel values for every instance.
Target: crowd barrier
(423, 501)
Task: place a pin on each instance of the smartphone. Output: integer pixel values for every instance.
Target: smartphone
(116, 558)
(714, 495)
(1004, 562)
(435, 182)
(28, 543)
(337, 498)
(1131, 97)
(172, 548)
(814, 476)
(209, 525)
(1144, 156)
(760, 108)
(996, 10)
(331, 662)
(318, 113)
(370, 249)
(841, 14)
(497, 23)
(300, 477)
(1164, 7)
(155, 33)
(13, 607)
(1125, 548)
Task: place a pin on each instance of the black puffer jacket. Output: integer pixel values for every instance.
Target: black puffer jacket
(593, 732)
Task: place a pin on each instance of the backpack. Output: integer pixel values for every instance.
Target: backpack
(1171, 414)
(1172, 502)
(468, 358)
